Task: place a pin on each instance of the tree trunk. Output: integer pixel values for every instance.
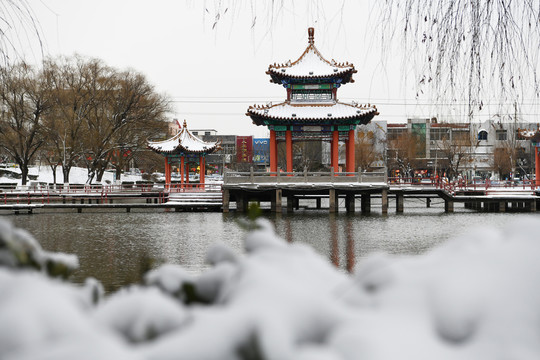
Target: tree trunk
(118, 171)
(53, 168)
(100, 173)
(91, 174)
(65, 173)
(24, 173)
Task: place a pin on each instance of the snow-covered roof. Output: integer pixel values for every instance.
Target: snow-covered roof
(317, 112)
(185, 142)
(533, 135)
(311, 64)
(527, 133)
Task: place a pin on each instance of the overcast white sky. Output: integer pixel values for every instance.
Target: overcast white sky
(214, 73)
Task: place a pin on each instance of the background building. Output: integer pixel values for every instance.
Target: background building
(491, 149)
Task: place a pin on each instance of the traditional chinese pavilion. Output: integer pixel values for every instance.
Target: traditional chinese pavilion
(312, 110)
(184, 148)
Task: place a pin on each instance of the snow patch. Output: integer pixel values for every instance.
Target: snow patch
(141, 314)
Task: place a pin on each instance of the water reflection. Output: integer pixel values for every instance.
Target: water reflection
(288, 231)
(349, 247)
(334, 240)
(116, 247)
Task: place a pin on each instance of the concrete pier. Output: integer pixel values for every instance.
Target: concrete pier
(384, 201)
(350, 203)
(399, 202)
(448, 206)
(366, 204)
(276, 200)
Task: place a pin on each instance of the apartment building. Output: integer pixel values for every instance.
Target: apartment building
(489, 149)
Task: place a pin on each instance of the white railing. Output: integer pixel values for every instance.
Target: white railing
(254, 177)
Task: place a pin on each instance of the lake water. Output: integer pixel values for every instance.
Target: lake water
(116, 247)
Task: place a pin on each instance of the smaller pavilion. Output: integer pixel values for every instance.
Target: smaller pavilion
(184, 148)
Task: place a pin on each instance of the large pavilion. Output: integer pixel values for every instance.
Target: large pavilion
(184, 148)
(312, 110)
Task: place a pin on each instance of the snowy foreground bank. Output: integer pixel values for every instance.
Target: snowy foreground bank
(472, 298)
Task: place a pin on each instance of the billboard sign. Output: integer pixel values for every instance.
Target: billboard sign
(244, 149)
(261, 150)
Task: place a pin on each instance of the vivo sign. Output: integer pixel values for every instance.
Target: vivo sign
(261, 150)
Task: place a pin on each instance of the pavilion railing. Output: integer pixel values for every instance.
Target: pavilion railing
(255, 177)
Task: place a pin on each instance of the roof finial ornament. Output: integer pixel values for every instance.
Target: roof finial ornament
(185, 124)
(311, 35)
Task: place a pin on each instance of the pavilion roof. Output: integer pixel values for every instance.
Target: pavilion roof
(311, 65)
(534, 135)
(321, 112)
(184, 142)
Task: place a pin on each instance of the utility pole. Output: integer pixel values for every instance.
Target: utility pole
(513, 143)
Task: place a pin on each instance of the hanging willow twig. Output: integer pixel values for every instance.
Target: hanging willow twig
(18, 28)
(460, 51)
(468, 48)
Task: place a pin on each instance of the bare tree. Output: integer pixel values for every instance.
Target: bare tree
(132, 140)
(307, 155)
(72, 102)
(24, 99)
(506, 157)
(456, 150)
(403, 153)
(365, 152)
(502, 161)
(48, 154)
(123, 104)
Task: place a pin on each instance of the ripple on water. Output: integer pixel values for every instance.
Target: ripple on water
(114, 247)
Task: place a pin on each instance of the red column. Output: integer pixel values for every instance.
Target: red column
(537, 166)
(273, 151)
(165, 170)
(351, 153)
(331, 153)
(335, 151)
(201, 169)
(347, 155)
(167, 173)
(187, 174)
(289, 150)
(182, 172)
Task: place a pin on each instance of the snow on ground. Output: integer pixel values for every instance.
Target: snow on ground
(474, 297)
(77, 175)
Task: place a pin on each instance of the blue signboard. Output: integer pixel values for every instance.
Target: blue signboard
(261, 150)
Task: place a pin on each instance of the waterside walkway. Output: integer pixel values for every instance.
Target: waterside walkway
(282, 192)
(241, 188)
